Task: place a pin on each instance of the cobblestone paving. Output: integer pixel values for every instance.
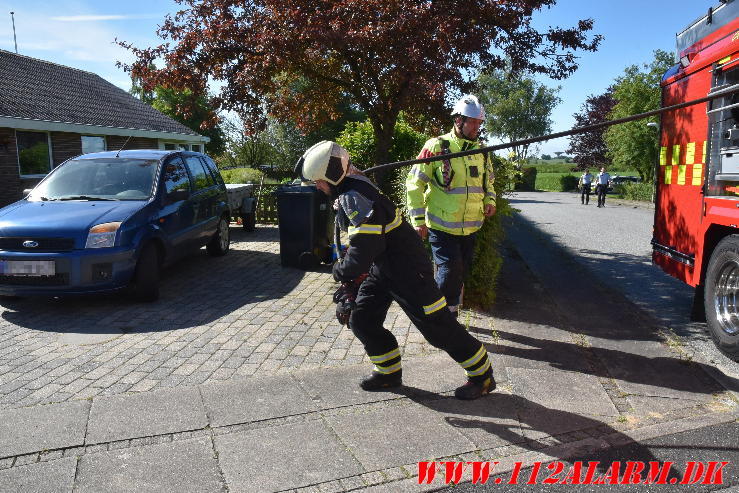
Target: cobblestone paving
(217, 318)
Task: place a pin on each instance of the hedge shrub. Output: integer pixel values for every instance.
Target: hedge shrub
(241, 175)
(359, 139)
(479, 287)
(526, 179)
(568, 182)
(635, 191)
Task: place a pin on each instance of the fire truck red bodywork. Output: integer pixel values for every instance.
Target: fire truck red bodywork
(690, 217)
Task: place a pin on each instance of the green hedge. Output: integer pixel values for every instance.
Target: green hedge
(635, 191)
(241, 175)
(556, 182)
(555, 167)
(479, 287)
(525, 179)
(568, 182)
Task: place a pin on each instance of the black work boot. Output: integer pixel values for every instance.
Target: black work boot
(476, 387)
(379, 381)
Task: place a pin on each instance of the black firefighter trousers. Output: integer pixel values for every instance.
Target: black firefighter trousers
(411, 284)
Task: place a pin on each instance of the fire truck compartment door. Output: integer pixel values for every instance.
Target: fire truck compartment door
(730, 160)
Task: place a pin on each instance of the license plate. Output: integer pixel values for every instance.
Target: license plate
(27, 267)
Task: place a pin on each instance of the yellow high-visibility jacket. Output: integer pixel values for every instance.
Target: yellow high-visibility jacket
(456, 207)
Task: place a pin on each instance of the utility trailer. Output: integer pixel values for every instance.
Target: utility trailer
(242, 203)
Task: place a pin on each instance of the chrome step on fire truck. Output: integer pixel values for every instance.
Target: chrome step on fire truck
(696, 220)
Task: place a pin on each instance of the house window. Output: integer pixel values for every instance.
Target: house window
(179, 146)
(92, 143)
(34, 156)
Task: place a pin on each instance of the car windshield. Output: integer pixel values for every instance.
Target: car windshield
(99, 179)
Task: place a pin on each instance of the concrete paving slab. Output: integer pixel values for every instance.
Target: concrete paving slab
(32, 429)
(255, 399)
(403, 486)
(282, 457)
(337, 387)
(396, 436)
(181, 466)
(647, 348)
(159, 412)
(435, 374)
(525, 345)
(644, 406)
(49, 477)
(489, 422)
(659, 375)
(561, 390)
(539, 422)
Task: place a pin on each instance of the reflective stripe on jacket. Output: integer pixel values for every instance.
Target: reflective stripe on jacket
(459, 207)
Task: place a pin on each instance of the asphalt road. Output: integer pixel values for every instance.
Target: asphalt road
(614, 244)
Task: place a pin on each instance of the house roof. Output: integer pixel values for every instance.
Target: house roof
(35, 91)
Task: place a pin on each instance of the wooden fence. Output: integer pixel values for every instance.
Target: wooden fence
(266, 203)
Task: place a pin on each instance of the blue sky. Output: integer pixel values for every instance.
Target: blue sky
(80, 33)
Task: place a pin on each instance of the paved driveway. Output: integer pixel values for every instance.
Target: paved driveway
(218, 317)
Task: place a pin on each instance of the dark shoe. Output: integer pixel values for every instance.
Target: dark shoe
(378, 381)
(474, 389)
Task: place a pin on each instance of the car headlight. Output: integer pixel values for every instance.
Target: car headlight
(102, 235)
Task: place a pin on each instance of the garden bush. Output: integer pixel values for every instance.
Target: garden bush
(479, 288)
(358, 138)
(568, 182)
(241, 175)
(526, 179)
(635, 191)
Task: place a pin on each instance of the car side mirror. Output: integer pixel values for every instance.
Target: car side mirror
(27, 192)
(177, 195)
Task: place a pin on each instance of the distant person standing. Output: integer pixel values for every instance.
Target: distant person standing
(585, 182)
(601, 186)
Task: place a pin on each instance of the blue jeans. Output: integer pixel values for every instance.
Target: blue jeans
(453, 258)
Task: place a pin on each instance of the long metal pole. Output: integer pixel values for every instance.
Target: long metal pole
(12, 17)
(577, 130)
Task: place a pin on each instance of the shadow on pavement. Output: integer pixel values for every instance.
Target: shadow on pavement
(503, 419)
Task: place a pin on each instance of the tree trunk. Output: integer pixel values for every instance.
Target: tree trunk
(386, 180)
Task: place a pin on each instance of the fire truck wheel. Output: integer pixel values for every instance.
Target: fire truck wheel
(722, 296)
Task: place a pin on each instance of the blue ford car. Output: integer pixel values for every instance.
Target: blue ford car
(111, 220)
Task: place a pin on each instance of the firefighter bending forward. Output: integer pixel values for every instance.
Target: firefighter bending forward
(384, 245)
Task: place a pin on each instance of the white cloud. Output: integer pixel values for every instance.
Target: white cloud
(69, 32)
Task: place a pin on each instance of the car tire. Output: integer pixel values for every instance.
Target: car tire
(249, 221)
(145, 283)
(221, 241)
(721, 297)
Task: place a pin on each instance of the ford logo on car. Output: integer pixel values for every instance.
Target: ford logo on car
(30, 244)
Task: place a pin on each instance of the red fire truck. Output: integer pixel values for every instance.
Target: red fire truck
(696, 220)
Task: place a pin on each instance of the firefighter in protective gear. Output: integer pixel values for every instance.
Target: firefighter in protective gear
(383, 244)
(448, 200)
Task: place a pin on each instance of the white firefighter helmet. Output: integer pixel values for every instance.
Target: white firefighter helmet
(325, 161)
(469, 106)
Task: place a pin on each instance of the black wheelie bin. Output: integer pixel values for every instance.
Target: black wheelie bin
(306, 221)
